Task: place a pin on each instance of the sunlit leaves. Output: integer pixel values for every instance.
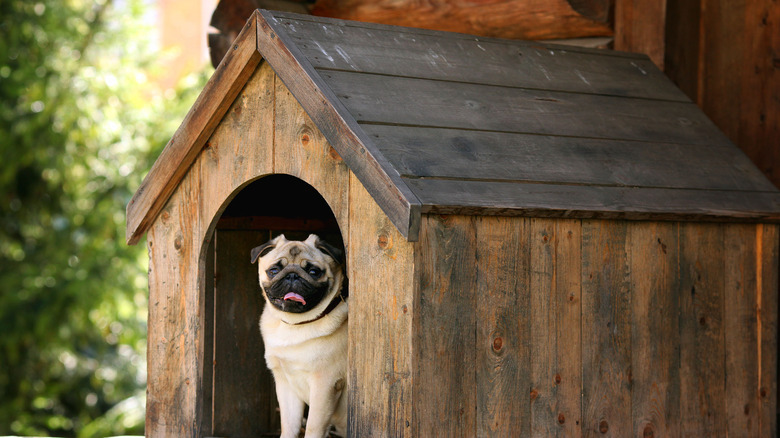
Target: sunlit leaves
(80, 123)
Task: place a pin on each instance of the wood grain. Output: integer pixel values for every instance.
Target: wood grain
(186, 143)
(240, 148)
(451, 153)
(528, 19)
(445, 327)
(302, 151)
(655, 343)
(395, 51)
(702, 354)
(173, 366)
(445, 196)
(740, 327)
(767, 240)
(376, 99)
(556, 347)
(606, 329)
(640, 27)
(503, 327)
(382, 308)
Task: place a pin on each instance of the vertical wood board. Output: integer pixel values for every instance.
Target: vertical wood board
(445, 327)
(503, 328)
(556, 346)
(606, 329)
(702, 354)
(740, 327)
(382, 308)
(655, 344)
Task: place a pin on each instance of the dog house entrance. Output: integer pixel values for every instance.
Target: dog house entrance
(239, 398)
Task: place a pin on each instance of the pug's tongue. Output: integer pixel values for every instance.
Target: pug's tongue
(292, 296)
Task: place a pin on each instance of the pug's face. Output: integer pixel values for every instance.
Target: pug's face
(297, 275)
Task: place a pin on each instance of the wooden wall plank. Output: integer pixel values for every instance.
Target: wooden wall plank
(445, 327)
(301, 150)
(174, 366)
(606, 329)
(740, 326)
(503, 328)
(655, 342)
(382, 307)
(702, 354)
(451, 153)
(767, 256)
(376, 99)
(556, 346)
(240, 148)
(244, 397)
(360, 47)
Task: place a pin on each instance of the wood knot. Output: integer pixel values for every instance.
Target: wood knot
(498, 344)
(333, 154)
(305, 139)
(648, 432)
(534, 394)
(383, 241)
(405, 309)
(603, 426)
(557, 379)
(178, 242)
(561, 418)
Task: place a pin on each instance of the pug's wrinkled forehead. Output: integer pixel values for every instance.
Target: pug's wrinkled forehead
(312, 250)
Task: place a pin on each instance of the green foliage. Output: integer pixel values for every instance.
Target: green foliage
(81, 121)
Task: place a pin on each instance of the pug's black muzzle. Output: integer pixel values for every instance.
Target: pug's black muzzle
(294, 279)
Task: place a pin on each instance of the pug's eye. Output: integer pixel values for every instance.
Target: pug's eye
(314, 272)
(273, 270)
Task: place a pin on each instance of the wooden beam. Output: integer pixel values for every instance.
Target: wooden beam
(526, 19)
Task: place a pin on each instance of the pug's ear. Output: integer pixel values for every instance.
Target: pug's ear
(335, 253)
(265, 248)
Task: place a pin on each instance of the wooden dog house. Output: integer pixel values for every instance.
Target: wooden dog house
(541, 239)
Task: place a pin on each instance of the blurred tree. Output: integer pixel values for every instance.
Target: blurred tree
(81, 120)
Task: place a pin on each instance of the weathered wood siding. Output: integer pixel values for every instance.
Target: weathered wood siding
(547, 327)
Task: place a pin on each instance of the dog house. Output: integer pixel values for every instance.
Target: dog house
(540, 239)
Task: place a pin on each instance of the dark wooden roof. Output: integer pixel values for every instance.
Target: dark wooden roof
(436, 122)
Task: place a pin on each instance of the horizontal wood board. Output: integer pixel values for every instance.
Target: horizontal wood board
(358, 47)
(447, 196)
(422, 152)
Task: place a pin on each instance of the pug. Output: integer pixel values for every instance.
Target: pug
(304, 329)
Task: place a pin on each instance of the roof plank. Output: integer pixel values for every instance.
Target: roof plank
(439, 56)
(573, 201)
(393, 100)
(499, 156)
